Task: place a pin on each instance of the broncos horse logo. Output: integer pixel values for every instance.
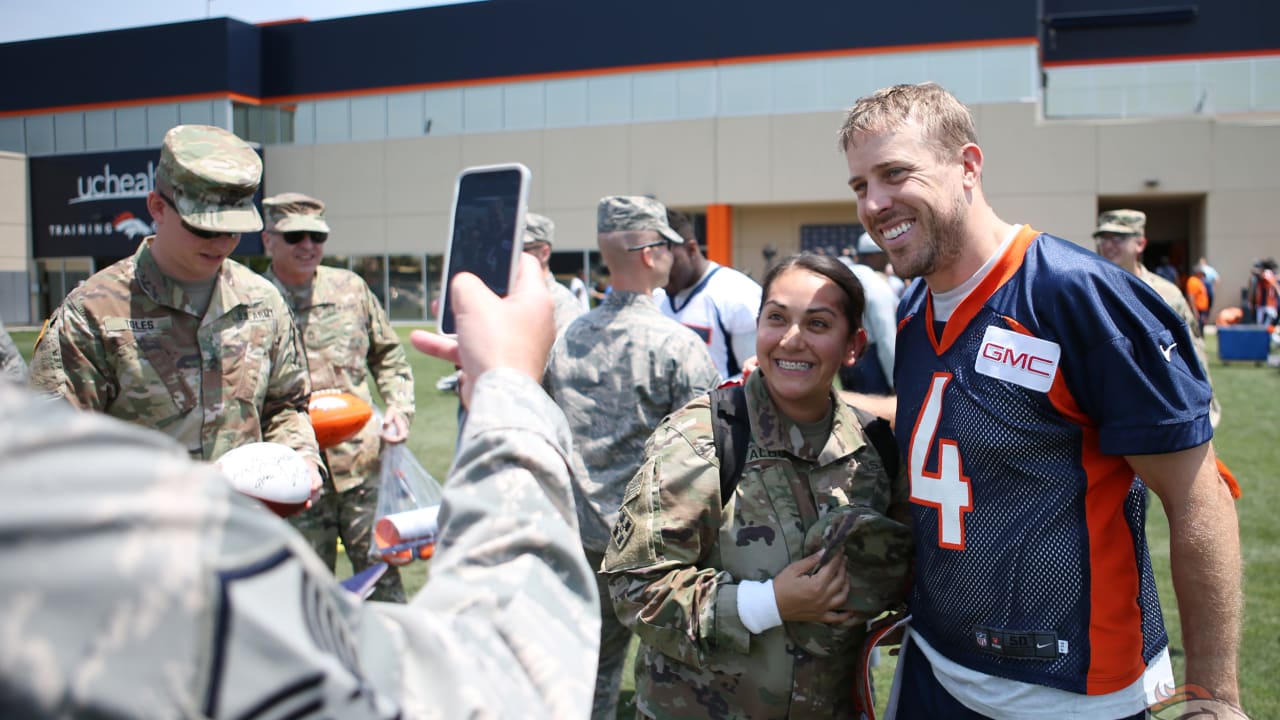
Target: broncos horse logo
(131, 226)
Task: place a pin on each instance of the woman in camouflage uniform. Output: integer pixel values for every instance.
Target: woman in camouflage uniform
(735, 616)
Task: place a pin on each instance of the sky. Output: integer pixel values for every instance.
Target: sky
(31, 19)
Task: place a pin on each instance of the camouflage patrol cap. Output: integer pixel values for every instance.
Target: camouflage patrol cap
(877, 556)
(1121, 222)
(538, 229)
(289, 212)
(619, 213)
(211, 176)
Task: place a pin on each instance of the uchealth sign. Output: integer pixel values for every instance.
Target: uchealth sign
(95, 204)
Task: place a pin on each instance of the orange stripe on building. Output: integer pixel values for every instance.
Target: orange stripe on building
(720, 234)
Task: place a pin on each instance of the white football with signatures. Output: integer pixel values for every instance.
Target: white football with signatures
(271, 472)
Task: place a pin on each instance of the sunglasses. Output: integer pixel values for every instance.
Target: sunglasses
(198, 232)
(294, 237)
(663, 241)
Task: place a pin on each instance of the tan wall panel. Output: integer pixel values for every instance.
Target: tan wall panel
(508, 147)
(13, 190)
(1020, 155)
(422, 233)
(1245, 157)
(291, 168)
(350, 179)
(744, 168)
(575, 227)
(1177, 153)
(13, 247)
(756, 228)
(357, 235)
(585, 164)
(807, 165)
(673, 160)
(421, 173)
(1067, 216)
(1239, 231)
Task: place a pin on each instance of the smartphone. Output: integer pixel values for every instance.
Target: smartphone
(486, 230)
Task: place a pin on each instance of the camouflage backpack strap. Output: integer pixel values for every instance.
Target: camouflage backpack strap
(881, 437)
(731, 431)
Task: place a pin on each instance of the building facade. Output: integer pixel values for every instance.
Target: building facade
(728, 110)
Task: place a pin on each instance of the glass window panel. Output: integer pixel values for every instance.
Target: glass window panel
(196, 113)
(482, 109)
(160, 119)
(286, 114)
(304, 123)
(746, 89)
(370, 267)
(566, 103)
(895, 68)
(1172, 88)
(1266, 84)
(845, 80)
(609, 99)
(131, 127)
(100, 130)
(1009, 74)
(443, 111)
(404, 115)
(333, 121)
(435, 271)
(39, 134)
(68, 132)
(959, 71)
(408, 295)
(1227, 86)
(654, 96)
(12, 134)
(797, 86)
(523, 106)
(338, 261)
(369, 117)
(696, 93)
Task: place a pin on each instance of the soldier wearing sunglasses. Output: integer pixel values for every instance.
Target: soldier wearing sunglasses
(179, 337)
(347, 337)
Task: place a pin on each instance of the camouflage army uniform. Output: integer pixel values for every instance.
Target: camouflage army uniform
(347, 336)
(678, 553)
(1174, 298)
(149, 589)
(12, 366)
(128, 343)
(616, 372)
(567, 307)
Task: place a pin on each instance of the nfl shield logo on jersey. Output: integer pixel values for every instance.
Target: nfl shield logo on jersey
(981, 637)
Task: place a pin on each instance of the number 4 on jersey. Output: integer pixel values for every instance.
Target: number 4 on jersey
(947, 490)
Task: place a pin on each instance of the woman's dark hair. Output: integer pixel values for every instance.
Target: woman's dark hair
(830, 268)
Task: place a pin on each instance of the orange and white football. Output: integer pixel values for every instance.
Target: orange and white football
(337, 416)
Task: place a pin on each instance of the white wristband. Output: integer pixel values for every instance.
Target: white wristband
(757, 607)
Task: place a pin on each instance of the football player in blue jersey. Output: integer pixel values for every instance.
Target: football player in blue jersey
(1035, 381)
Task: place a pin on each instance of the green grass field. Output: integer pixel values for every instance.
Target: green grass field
(1246, 440)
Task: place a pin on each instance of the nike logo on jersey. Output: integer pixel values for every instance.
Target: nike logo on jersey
(1019, 359)
(1168, 351)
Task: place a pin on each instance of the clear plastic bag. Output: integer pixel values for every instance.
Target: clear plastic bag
(405, 526)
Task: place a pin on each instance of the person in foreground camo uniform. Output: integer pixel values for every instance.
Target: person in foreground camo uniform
(197, 601)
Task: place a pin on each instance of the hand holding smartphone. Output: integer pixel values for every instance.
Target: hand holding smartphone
(486, 230)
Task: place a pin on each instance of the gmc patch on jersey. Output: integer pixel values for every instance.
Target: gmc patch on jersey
(1018, 644)
(1019, 359)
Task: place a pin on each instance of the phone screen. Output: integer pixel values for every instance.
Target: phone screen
(488, 217)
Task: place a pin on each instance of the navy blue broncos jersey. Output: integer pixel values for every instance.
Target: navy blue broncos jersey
(1014, 417)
